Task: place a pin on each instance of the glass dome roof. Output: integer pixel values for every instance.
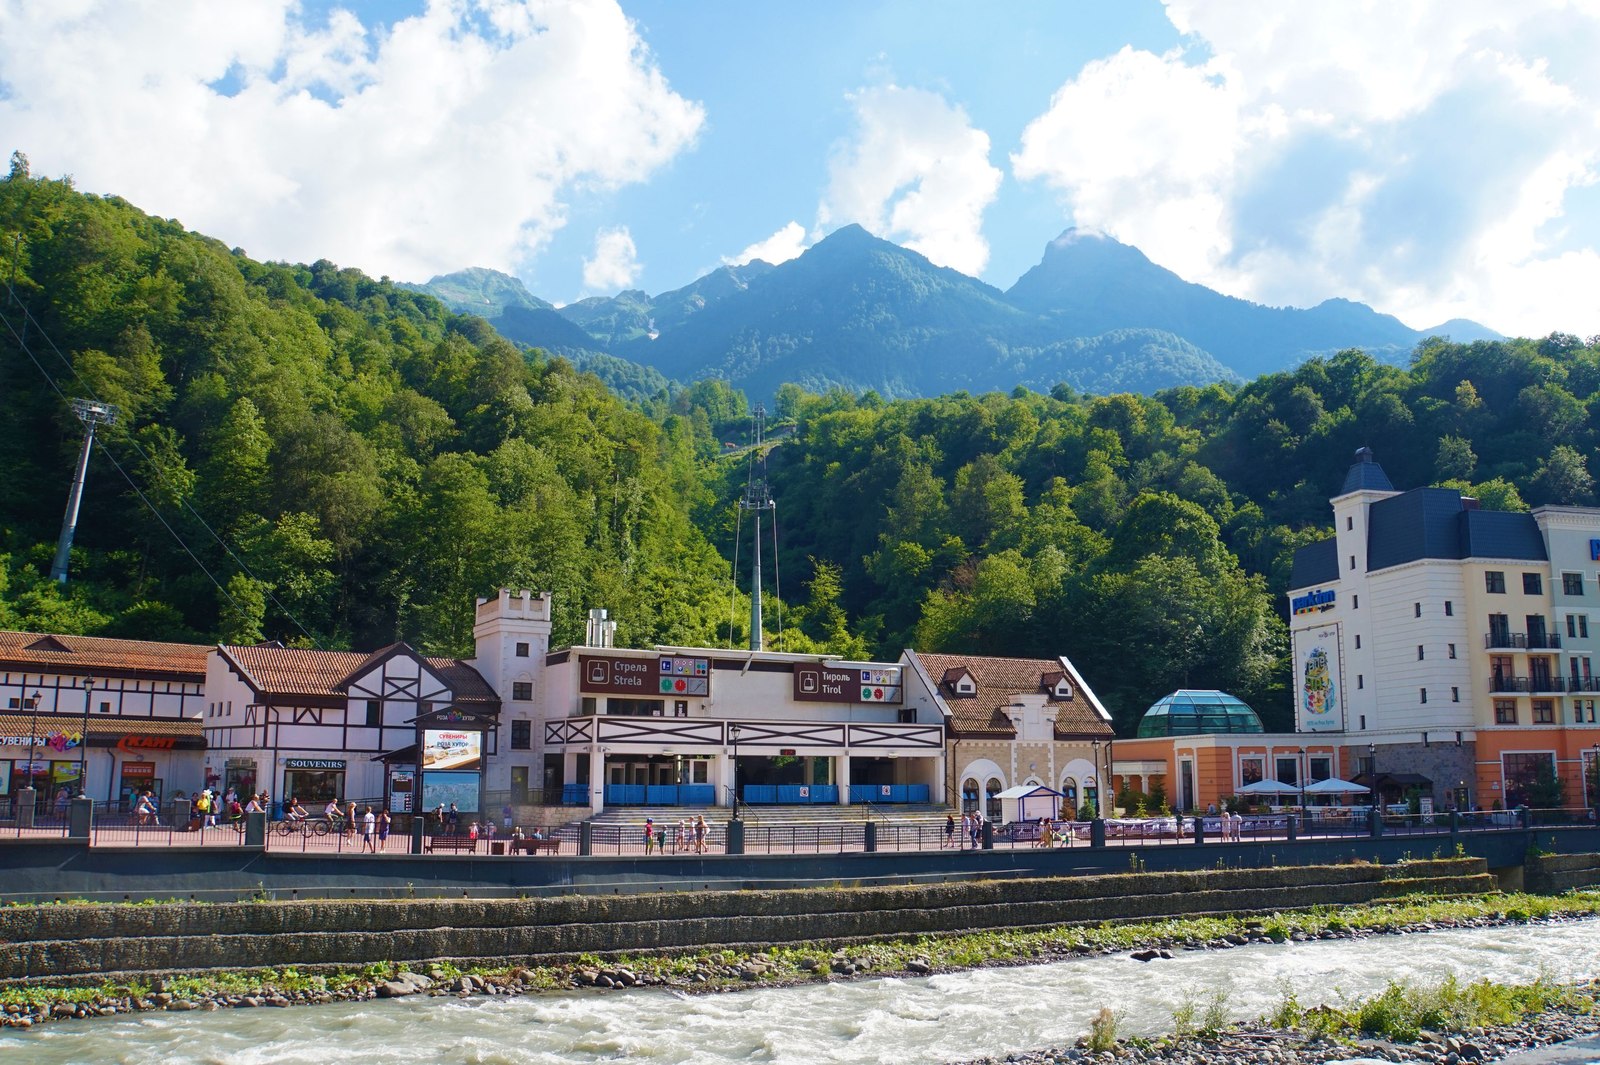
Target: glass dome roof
(1191, 713)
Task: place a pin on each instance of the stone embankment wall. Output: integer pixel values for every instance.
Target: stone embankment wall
(1551, 874)
(79, 943)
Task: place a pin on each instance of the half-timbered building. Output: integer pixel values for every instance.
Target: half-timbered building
(319, 725)
(124, 713)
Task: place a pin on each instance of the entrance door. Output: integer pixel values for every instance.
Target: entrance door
(1186, 785)
(519, 784)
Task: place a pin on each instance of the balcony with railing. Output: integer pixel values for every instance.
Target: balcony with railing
(1506, 640)
(1502, 684)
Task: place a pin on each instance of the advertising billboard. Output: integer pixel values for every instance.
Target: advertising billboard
(1318, 680)
(442, 789)
(451, 749)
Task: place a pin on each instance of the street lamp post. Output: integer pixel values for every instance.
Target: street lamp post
(1099, 802)
(733, 734)
(83, 739)
(1302, 771)
(33, 737)
(1372, 767)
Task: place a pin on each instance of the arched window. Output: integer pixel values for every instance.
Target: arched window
(969, 795)
(1091, 793)
(992, 792)
(1069, 794)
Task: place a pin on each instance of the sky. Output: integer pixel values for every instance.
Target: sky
(1432, 158)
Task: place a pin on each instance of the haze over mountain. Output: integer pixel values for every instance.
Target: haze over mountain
(857, 312)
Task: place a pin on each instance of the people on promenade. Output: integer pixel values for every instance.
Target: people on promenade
(331, 811)
(1047, 834)
(144, 813)
(205, 804)
(63, 799)
(294, 811)
(649, 835)
(949, 831)
(684, 835)
(369, 830)
(350, 819)
(384, 821)
(453, 820)
(700, 831)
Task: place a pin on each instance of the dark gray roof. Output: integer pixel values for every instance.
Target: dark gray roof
(1500, 534)
(1366, 475)
(1434, 523)
(1421, 523)
(1316, 563)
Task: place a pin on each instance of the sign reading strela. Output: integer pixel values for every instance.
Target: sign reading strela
(1313, 602)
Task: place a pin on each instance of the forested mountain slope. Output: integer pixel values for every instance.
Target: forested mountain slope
(372, 459)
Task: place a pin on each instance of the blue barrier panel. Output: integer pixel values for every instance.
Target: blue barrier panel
(759, 793)
(916, 793)
(625, 794)
(661, 794)
(699, 794)
(574, 795)
(860, 793)
(825, 793)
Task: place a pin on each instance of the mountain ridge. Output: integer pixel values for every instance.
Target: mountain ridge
(861, 313)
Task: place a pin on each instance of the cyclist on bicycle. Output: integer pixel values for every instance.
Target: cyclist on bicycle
(331, 811)
(295, 812)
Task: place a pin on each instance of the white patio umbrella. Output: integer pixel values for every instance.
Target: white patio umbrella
(1335, 786)
(1268, 787)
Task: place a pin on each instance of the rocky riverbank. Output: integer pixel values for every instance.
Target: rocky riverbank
(1257, 1044)
(30, 1005)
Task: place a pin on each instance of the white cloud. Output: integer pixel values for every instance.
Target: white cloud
(916, 172)
(452, 138)
(1421, 157)
(787, 243)
(615, 262)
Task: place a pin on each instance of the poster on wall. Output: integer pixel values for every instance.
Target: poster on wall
(5, 778)
(452, 749)
(1319, 680)
(442, 789)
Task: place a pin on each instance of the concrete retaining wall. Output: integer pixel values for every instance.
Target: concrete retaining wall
(78, 942)
(1551, 874)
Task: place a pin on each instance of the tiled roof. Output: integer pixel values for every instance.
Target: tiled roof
(14, 724)
(999, 679)
(302, 671)
(1366, 475)
(87, 655)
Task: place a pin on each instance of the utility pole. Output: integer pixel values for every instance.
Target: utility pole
(92, 413)
(756, 499)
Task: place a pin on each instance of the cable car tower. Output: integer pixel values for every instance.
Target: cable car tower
(757, 498)
(92, 413)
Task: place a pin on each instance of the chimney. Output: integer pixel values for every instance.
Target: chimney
(599, 631)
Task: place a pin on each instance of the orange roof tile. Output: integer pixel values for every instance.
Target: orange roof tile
(998, 679)
(87, 655)
(304, 671)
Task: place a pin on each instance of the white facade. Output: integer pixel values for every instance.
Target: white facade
(137, 703)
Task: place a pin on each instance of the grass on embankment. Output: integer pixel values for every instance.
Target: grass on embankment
(713, 970)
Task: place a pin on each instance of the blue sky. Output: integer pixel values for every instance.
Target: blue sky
(1436, 158)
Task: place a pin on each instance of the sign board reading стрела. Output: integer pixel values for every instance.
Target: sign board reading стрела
(643, 677)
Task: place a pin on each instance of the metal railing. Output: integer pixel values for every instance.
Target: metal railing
(1553, 682)
(1526, 641)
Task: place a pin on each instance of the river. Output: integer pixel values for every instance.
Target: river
(949, 1017)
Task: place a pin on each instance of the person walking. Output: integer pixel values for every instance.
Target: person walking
(649, 835)
(700, 833)
(949, 832)
(384, 821)
(369, 828)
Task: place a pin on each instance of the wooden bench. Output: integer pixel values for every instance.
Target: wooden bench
(456, 844)
(534, 846)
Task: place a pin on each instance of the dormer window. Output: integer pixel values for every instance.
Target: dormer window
(1056, 685)
(960, 681)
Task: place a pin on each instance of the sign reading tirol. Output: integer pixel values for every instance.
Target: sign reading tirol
(846, 684)
(667, 675)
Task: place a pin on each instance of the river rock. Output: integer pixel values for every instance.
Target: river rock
(918, 965)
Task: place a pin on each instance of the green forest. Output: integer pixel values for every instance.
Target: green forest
(311, 455)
